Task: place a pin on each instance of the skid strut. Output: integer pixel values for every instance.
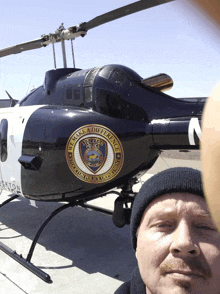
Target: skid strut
(26, 262)
(120, 215)
(9, 200)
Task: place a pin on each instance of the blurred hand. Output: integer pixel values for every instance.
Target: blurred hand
(210, 150)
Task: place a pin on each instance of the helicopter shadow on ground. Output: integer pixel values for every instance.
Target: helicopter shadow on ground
(88, 238)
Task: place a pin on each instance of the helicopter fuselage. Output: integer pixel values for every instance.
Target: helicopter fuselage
(84, 132)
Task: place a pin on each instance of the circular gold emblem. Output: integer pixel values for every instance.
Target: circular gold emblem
(94, 154)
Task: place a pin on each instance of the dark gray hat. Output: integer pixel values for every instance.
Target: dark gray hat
(179, 179)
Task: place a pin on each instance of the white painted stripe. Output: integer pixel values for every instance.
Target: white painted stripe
(194, 127)
(10, 170)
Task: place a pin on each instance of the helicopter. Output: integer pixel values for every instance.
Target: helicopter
(85, 132)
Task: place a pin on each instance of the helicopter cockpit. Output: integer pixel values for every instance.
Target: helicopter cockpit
(110, 90)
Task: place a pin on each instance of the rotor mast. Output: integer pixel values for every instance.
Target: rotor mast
(64, 53)
(60, 35)
(60, 32)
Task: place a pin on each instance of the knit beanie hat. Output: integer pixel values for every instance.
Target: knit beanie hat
(179, 179)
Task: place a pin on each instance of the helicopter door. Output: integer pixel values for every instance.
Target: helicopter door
(12, 125)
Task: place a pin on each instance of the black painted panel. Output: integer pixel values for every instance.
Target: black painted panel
(54, 178)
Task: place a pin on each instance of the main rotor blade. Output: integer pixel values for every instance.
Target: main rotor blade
(121, 12)
(80, 30)
(22, 47)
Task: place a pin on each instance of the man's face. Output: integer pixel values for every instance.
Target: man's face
(178, 246)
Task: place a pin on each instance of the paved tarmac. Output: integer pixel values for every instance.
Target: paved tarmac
(81, 250)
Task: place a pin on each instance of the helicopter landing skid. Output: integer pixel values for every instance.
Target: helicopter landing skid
(27, 262)
(120, 215)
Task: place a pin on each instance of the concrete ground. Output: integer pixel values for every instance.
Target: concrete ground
(81, 250)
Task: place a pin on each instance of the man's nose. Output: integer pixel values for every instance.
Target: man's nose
(183, 241)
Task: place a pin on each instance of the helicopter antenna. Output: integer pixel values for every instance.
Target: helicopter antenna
(28, 87)
(12, 100)
(74, 65)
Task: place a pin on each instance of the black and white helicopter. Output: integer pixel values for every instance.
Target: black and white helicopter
(85, 132)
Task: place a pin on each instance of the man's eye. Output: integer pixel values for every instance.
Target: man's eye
(164, 225)
(204, 227)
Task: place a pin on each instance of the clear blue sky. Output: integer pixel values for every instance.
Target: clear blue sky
(171, 38)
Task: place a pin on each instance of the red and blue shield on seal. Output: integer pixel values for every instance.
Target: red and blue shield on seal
(93, 152)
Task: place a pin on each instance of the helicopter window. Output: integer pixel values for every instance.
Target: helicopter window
(112, 104)
(115, 75)
(88, 83)
(37, 97)
(90, 77)
(118, 78)
(3, 140)
(88, 94)
(69, 94)
(105, 72)
(76, 92)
